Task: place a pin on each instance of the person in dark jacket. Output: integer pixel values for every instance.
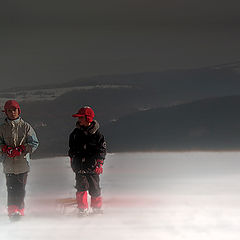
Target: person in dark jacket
(87, 151)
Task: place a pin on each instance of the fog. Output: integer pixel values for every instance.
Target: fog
(178, 195)
(32, 56)
(54, 42)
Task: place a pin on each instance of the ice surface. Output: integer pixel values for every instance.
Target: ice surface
(194, 195)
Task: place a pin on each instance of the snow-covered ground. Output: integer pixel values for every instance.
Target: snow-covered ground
(194, 195)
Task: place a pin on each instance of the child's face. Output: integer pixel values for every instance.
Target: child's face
(12, 113)
(83, 121)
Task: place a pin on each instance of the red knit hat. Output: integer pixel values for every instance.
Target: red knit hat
(85, 111)
(10, 104)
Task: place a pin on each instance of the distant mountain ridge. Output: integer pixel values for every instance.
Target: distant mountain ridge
(210, 124)
(218, 79)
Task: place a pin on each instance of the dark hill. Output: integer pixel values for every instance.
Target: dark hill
(211, 124)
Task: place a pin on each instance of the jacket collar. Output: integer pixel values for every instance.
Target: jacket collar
(91, 129)
(15, 121)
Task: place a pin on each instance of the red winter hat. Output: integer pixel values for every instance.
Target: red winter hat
(85, 111)
(11, 103)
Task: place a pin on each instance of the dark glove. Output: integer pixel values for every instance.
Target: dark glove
(99, 169)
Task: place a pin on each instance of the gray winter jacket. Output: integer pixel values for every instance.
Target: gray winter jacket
(14, 133)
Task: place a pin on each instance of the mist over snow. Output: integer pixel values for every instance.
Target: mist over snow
(167, 195)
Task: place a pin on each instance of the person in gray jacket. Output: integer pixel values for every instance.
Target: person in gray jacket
(17, 141)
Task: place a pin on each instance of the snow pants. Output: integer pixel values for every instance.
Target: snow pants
(16, 189)
(90, 183)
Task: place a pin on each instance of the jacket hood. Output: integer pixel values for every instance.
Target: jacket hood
(91, 129)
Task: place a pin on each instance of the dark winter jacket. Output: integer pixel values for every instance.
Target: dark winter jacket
(86, 145)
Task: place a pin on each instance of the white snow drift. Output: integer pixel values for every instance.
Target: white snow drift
(192, 195)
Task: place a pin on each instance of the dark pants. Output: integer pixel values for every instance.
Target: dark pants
(88, 182)
(16, 189)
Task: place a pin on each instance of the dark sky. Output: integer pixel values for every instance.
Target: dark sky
(56, 41)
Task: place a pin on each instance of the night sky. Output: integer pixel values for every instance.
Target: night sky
(58, 41)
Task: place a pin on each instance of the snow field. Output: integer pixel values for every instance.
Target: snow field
(192, 195)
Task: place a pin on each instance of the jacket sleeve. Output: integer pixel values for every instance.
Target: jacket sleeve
(71, 144)
(31, 140)
(102, 147)
(2, 142)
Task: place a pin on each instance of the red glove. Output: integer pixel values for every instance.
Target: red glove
(99, 169)
(17, 151)
(13, 152)
(5, 148)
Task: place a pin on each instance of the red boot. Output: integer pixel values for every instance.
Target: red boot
(21, 211)
(96, 204)
(12, 210)
(82, 200)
